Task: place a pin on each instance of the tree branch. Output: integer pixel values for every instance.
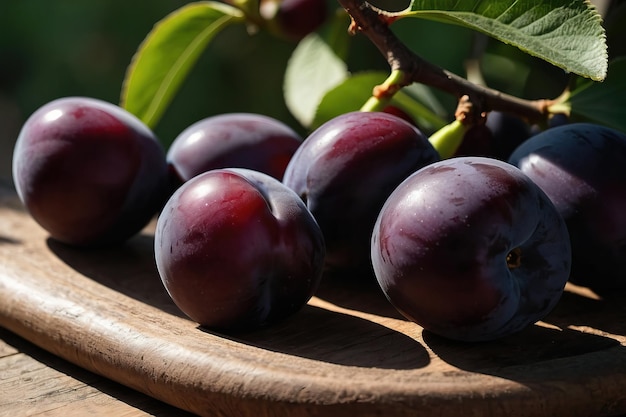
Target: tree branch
(374, 23)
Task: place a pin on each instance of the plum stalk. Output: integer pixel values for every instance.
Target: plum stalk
(407, 67)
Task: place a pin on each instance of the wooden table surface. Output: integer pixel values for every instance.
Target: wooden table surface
(35, 382)
(110, 342)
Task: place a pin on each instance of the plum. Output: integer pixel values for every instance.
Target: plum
(478, 140)
(558, 119)
(294, 19)
(496, 138)
(401, 113)
(236, 249)
(471, 249)
(508, 131)
(88, 171)
(232, 140)
(346, 169)
(580, 166)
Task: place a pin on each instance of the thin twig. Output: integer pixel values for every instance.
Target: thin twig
(374, 24)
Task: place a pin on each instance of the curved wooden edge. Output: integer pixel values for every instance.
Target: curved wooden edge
(347, 353)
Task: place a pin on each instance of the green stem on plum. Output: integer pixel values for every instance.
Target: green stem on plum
(419, 111)
(254, 20)
(561, 105)
(447, 140)
(382, 94)
(374, 24)
(560, 108)
(375, 104)
(249, 7)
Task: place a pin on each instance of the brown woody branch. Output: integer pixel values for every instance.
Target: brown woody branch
(374, 24)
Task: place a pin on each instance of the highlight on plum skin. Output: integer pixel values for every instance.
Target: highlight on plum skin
(88, 171)
(345, 170)
(471, 249)
(294, 19)
(238, 250)
(232, 140)
(580, 166)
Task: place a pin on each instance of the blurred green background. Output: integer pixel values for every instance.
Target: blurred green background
(63, 48)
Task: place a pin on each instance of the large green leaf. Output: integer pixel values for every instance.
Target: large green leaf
(354, 91)
(566, 33)
(605, 102)
(347, 96)
(312, 70)
(168, 54)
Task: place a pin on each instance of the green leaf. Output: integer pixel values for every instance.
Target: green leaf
(167, 55)
(420, 102)
(354, 91)
(347, 96)
(458, 41)
(566, 33)
(604, 102)
(312, 70)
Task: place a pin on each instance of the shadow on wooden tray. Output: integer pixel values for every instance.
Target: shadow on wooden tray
(344, 339)
(581, 340)
(314, 333)
(129, 269)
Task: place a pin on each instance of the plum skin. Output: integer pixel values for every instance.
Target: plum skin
(471, 249)
(580, 166)
(508, 131)
(88, 171)
(496, 138)
(346, 169)
(232, 140)
(237, 250)
(295, 19)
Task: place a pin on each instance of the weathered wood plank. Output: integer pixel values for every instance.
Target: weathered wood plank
(34, 382)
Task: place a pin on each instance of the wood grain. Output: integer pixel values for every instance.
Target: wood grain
(36, 383)
(348, 352)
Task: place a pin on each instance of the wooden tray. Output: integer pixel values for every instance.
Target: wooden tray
(347, 353)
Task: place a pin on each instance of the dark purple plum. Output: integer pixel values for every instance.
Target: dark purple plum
(558, 119)
(554, 120)
(397, 111)
(233, 140)
(236, 249)
(88, 171)
(471, 249)
(496, 138)
(346, 169)
(508, 131)
(582, 168)
(477, 141)
(294, 19)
